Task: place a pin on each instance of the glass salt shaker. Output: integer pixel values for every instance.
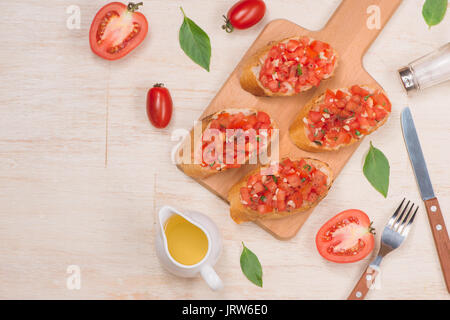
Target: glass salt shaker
(430, 70)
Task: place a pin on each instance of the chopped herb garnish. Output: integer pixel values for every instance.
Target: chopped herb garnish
(279, 84)
(265, 187)
(323, 131)
(312, 126)
(318, 142)
(299, 70)
(357, 133)
(303, 179)
(211, 164)
(307, 166)
(263, 198)
(367, 97)
(275, 179)
(257, 138)
(326, 110)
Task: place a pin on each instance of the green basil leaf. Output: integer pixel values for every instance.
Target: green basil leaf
(251, 267)
(376, 169)
(299, 70)
(195, 42)
(433, 11)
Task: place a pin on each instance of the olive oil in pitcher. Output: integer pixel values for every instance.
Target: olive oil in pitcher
(187, 243)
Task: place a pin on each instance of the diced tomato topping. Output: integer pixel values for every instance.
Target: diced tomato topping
(380, 114)
(271, 185)
(292, 45)
(357, 90)
(315, 116)
(297, 198)
(382, 100)
(281, 205)
(274, 85)
(294, 180)
(296, 64)
(343, 138)
(293, 183)
(340, 95)
(258, 187)
(262, 117)
(245, 195)
(281, 195)
(319, 46)
(344, 115)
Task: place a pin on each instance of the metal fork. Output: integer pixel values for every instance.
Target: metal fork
(394, 233)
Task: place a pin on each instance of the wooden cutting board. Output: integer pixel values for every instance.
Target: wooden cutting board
(351, 30)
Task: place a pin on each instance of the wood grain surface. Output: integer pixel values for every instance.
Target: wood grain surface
(350, 45)
(83, 173)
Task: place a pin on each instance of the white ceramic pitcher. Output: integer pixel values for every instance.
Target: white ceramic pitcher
(205, 266)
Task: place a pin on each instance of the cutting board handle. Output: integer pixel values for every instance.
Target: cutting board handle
(359, 22)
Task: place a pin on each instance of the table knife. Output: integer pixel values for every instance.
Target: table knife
(434, 212)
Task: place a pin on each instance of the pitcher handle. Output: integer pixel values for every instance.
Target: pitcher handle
(211, 278)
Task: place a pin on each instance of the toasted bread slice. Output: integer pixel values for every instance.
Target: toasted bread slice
(300, 130)
(250, 77)
(200, 170)
(241, 212)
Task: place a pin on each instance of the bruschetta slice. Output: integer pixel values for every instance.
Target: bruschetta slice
(340, 118)
(243, 133)
(280, 190)
(288, 67)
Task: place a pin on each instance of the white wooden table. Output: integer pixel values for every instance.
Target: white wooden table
(82, 173)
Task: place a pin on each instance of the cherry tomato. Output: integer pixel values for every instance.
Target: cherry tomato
(347, 237)
(244, 14)
(159, 106)
(117, 29)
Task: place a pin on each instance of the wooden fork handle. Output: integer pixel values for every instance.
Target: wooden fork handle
(364, 284)
(440, 236)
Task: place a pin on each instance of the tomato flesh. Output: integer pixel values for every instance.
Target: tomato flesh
(346, 238)
(346, 115)
(234, 149)
(296, 64)
(116, 31)
(286, 188)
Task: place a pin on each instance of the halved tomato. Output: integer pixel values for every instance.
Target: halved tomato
(117, 29)
(347, 237)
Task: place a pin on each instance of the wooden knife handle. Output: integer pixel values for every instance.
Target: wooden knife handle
(440, 236)
(364, 284)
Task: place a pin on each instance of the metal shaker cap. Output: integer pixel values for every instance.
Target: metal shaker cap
(407, 78)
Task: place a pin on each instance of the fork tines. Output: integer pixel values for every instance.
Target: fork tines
(401, 224)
